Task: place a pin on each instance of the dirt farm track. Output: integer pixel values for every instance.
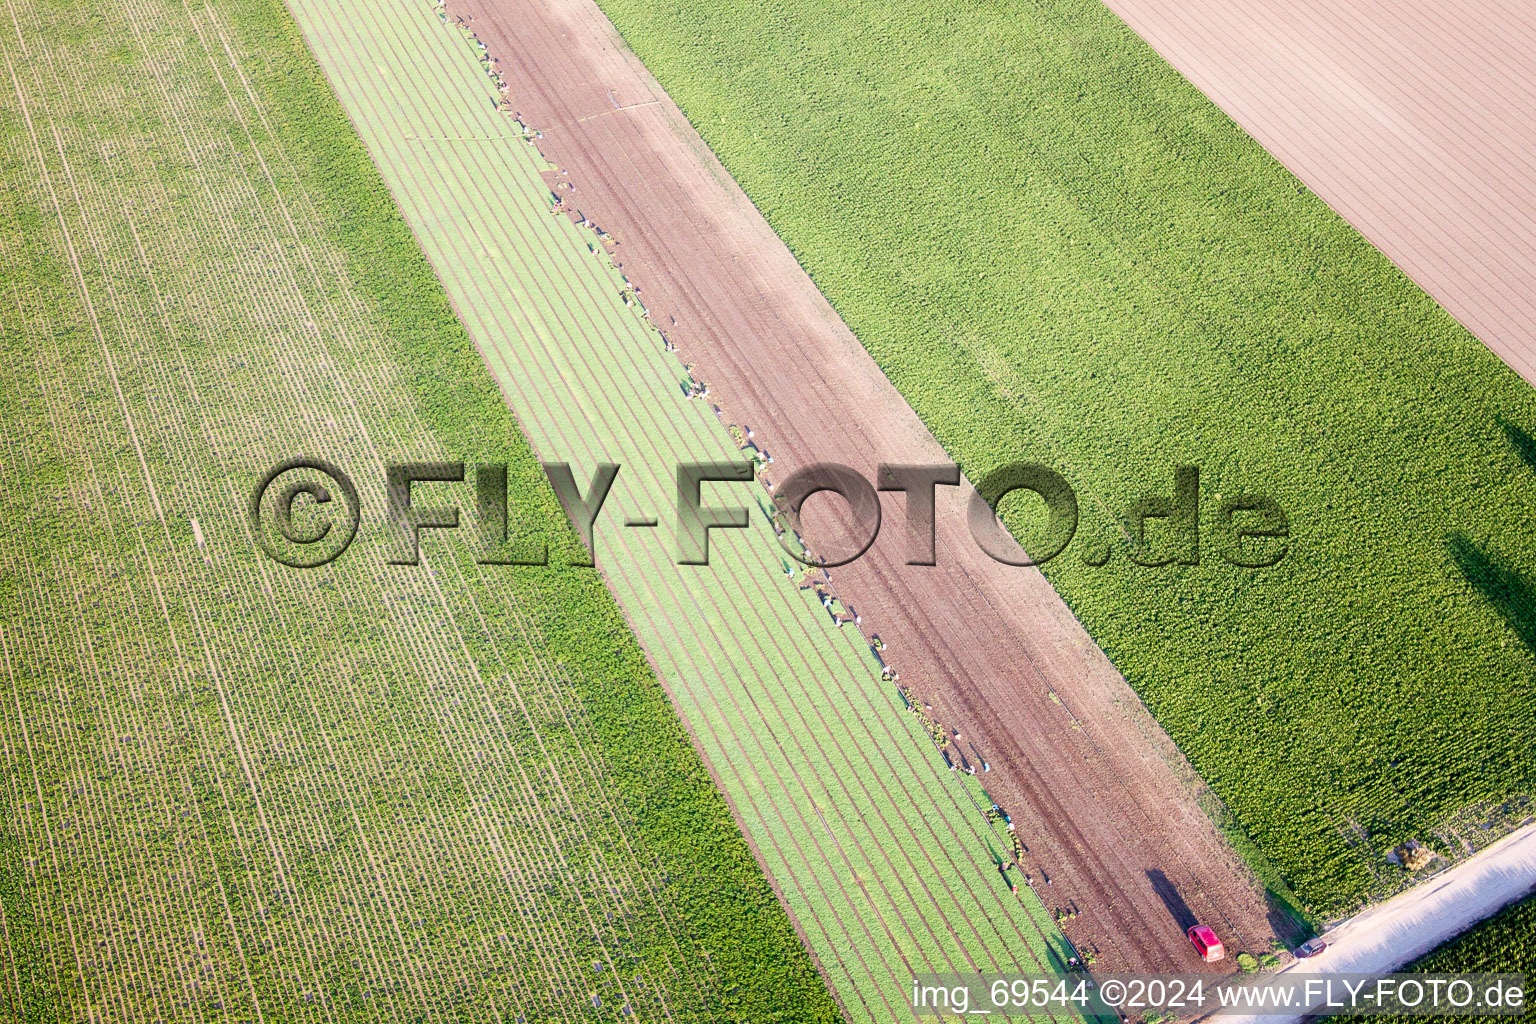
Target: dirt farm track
(1105, 803)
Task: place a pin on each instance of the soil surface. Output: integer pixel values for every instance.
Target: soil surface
(1109, 810)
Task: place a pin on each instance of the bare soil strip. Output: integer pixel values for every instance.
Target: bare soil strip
(1411, 121)
(1109, 810)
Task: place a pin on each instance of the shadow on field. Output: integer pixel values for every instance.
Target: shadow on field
(1503, 587)
(1289, 925)
(1169, 894)
(1520, 439)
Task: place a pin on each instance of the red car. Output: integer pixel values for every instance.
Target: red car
(1206, 943)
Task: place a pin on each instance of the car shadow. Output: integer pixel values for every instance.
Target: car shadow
(1169, 894)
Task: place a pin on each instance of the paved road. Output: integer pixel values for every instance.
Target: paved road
(1392, 934)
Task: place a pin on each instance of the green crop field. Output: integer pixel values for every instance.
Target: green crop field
(1061, 252)
(236, 791)
(886, 859)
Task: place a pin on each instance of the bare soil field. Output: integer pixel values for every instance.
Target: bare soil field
(1411, 121)
(1107, 807)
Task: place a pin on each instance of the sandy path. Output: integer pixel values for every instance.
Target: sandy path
(1404, 928)
(1411, 120)
(1103, 800)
